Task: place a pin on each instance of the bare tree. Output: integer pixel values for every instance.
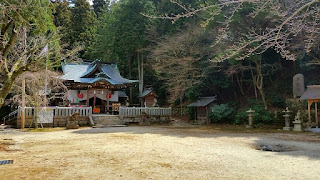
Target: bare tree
(178, 60)
(294, 26)
(24, 56)
(35, 88)
(23, 25)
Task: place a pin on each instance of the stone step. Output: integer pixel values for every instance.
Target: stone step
(106, 120)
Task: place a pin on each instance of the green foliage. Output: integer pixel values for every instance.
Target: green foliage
(241, 118)
(191, 113)
(28, 12)
(278, 101)
(121, 32)
(99, 5)
(221, 113)
(83, 24)
(260, 116)
(192, 94)
(62, 20)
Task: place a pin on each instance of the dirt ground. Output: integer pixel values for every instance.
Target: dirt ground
(159, 152)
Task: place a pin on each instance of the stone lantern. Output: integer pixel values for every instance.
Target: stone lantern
(287, 119)
(250, 115)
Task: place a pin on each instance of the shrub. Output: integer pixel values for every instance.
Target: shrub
(241, 118)
(278, 101)
(191, 113)
(260, 116)
(221, 113)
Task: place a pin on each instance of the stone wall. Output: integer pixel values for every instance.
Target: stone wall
(61, 121)
(28, 121)
(58, 121)
(151, 119)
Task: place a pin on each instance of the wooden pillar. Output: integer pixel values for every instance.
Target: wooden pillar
(88, 97)
(107, 100)
(309, 113)
(316, 108)
(195, 113)
(207, 115)
(23, 118)
(94, 98)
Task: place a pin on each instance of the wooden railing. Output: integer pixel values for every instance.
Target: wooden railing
(28, 111)
(151, 111)
(68, 111)
(10, 116)
(59, 111)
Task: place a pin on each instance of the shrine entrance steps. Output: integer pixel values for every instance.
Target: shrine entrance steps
(104, 120)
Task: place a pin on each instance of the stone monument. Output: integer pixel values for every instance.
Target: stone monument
(298, 85)
(287, 119)
(250, 116)
(73, 121)
(297, 123)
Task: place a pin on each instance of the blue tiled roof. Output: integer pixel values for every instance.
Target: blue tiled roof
(77, 73)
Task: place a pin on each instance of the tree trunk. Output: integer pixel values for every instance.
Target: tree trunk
(239, 81)
(254, 83)
(23, 118)
(7, 85)
(36, 110)
(130, 77)
(259, 82)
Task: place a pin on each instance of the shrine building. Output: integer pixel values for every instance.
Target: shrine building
(95, 84)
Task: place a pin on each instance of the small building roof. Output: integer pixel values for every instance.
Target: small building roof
(312, 92)
(146, 92)
(94, 72)
(122, 94)
(203, 101)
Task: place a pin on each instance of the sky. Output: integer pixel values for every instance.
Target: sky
(90, 1)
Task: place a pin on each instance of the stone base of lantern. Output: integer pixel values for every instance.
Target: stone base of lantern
(297, 125)
(287, 128)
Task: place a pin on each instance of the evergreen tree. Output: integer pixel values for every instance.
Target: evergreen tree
(99, 5)
(122, 32)
(83, 24)
(62, 20)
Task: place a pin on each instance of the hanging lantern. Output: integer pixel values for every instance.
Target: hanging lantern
(109, 95)
(80, 95)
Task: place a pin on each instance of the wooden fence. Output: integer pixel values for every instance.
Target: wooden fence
(151, 111)
(68, 111)
(59, 111)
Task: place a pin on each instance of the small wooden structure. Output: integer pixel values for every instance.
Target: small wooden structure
(203, 106)
(148, 98)
(312, 95)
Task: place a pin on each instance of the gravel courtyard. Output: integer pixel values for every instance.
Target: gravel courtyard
(158, 152)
